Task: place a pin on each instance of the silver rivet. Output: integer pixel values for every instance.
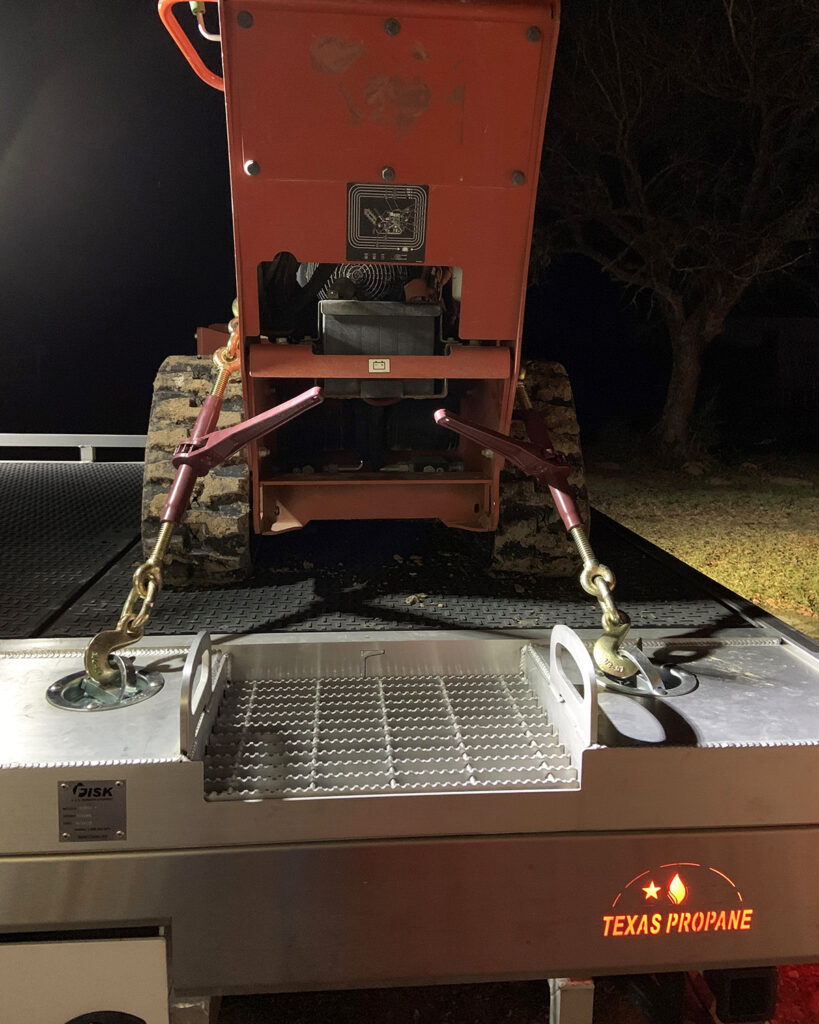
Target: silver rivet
(118, 782)
(63, 785)
(392, 26)
(120, 834)
(388, 173)
(244, 19)
(533, 34)
(517, 177)
(65, 835)
(251, 168)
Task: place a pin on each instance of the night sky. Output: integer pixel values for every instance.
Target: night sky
(115, 222)
(116, 233)
(114, 212)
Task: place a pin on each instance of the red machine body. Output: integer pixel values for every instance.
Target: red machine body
(343, 114)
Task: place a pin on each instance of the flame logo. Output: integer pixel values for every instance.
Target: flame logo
(677, 890)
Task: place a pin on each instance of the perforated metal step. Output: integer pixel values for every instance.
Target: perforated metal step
(312, 737)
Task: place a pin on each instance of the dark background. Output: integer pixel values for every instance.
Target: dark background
(115, 227)
(115, 233)
(116, 242)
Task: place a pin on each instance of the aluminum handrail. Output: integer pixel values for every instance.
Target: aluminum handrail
(87, 443)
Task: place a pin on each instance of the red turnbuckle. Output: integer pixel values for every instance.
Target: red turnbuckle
(538, 459)
(206, 448)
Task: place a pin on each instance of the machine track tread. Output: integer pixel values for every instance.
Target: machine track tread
(212, 546)
(530, 535)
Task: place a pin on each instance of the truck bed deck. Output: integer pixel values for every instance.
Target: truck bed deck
(71, 541)
(390, 748)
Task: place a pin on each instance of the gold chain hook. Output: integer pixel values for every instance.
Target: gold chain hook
(598, 581)
(139, 604)
(147, 579)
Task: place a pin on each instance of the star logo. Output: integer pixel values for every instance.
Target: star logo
(651, 890)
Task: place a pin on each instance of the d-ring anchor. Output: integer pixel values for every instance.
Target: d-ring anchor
(650, 680)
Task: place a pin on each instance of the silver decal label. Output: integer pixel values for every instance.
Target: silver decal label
(91, 810)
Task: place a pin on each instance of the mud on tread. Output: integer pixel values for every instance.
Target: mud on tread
(212, 546)
(530, 535)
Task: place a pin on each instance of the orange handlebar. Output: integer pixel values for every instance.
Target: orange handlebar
(186, 46)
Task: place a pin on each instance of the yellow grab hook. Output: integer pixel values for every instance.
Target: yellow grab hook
(607, 653)
(95, 660)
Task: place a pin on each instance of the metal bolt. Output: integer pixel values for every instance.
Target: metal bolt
(533, 34)
(63, 785)
(388, 173)
(392, 26)
(244, 19)
(251, 167)
(118, 783)
(120, 834)
(65, 835)
(517, 177)
(487, 453)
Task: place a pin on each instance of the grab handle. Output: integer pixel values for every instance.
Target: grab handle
(186, 46)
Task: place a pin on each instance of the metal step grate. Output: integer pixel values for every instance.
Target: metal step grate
(309, 737)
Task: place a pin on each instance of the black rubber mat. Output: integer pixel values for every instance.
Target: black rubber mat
(66, 566)
(62, 524)
(401, 575)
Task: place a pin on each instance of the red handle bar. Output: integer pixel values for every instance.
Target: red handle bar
(186, 46)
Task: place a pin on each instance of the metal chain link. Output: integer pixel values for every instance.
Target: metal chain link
(226, 359)
(598, 581)
(147, 579)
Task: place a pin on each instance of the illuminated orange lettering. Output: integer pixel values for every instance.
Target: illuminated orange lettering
(677, 891)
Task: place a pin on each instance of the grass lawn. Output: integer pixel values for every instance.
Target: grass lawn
(754, 529)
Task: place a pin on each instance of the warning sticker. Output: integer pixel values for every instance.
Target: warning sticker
(387, 222)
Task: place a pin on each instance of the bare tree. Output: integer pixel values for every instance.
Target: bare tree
(681, 155)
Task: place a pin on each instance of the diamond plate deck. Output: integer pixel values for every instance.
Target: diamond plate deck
(62, 524)
(67, 521)
(394, 575)
(382, 735)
